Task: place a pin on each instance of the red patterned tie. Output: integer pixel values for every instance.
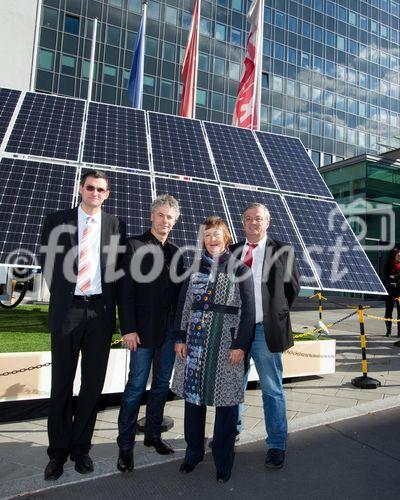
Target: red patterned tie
(248, 258)
(85, 259)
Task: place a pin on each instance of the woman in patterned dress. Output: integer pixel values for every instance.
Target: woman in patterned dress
(214, 329)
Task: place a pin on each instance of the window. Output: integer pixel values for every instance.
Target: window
(237, 5)
(153, 10)
(171, 15)
(203, 61)
(71, 24)
(277, 117)
(166, 89)
(50, 18)
(277, 84)
(290, 88)
(113, 35)
(46, 59)
(279, 51)
(186, 20)
(293, 24)
(219, 66)
(110, 75)
(151, 46)
(135, 6)
(303, 123)
(236, 36)
(220, 32)
(205, 27)
(201, 97)
(148, 84)
(217, 101)
(68, 64)
(315, 157)
(169, 52)
(280, 19)
(289, 123)
(86, 70)
(115, 3)
(234, 71)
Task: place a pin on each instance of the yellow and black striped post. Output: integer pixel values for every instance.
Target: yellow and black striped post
(364, 382)
(320, 305)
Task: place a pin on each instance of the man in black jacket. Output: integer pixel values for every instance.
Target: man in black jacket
(276, 285)
(150, 290)
(79, 260)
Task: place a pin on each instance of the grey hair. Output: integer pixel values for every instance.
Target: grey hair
(257, 205)
(166, 199)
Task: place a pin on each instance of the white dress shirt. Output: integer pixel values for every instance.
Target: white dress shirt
(257, 268)
(95, 277)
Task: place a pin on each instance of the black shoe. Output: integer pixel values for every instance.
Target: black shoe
(125, 461)
(186, 468)
(54, 469)
(223, 478)
(387, 334)
(397, 344)
(275, 458)
(160, 446)
(83, 463)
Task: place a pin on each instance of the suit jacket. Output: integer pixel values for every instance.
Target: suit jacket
(277, 293)
(146, 306)
(62, 287)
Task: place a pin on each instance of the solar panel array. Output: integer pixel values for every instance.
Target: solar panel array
(8, 101)
(116, 136)
(210, 168)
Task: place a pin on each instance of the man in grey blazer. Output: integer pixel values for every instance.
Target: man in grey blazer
(79, 257)
(276, 285)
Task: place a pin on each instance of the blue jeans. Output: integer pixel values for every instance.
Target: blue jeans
(163, 358)
(269, 368)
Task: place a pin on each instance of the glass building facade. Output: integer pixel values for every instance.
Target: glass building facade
(330, 68)
(370, 187)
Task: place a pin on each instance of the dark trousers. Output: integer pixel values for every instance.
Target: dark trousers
(223, 438)
(162, 358)
(390, 303)
(84, 330)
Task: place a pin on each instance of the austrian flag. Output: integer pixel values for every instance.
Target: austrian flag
(248, 103)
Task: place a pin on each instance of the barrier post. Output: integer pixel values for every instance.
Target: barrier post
(364, 382)
(320, 305)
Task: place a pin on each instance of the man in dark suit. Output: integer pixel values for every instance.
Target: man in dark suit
(79, 257)
(151, 290)
(276, 285)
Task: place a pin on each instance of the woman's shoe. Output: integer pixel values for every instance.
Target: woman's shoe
(186, 468)
(223, 478)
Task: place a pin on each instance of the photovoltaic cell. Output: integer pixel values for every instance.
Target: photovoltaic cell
(281, 227)
(291, 165)
(334, 249)
(48, 126)
(237, 156)
(8, 101)
(28, 192)
(179, 146)
(197, 201)
(116, 136)
(130, 199)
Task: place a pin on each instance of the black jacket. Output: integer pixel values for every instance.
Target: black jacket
(61, 288)
(146, 306)
(278, 295)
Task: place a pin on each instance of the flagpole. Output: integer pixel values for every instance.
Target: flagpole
(197, 61)
(258, 69)
(92, 55)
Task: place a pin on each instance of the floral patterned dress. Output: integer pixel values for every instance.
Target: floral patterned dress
(216, 313)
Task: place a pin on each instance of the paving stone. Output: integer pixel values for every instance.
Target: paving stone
(332, 400)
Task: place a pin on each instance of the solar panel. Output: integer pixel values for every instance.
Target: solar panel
(130, 199)
(334, 249)
(28, 192)
(237, 156)
(116, 136)
(8, 101)
(281, 227)
(291, 165)
(197, 201)
(179, 146)
(48, 126)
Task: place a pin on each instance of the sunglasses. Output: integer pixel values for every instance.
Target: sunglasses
(93, 188)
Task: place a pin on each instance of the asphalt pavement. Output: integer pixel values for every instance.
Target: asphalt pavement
(358, 458)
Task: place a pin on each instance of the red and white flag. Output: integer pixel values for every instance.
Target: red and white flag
(248, 103)
(189, 67)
